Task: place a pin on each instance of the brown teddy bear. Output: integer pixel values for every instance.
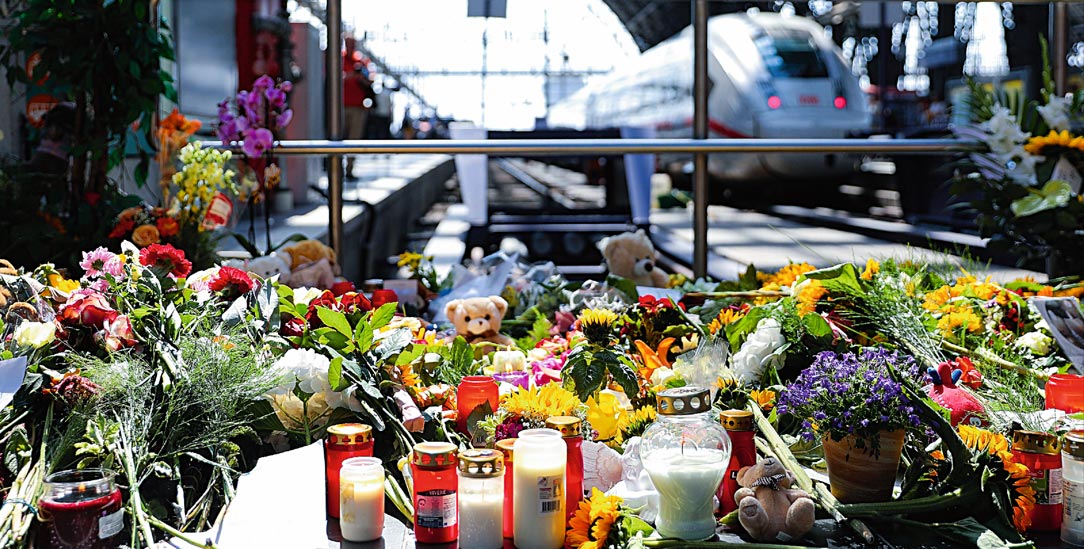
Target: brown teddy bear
(311, 264)
(768, 508)
(478, 320)
(632, 256)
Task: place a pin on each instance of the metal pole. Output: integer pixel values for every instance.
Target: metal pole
(700, 131)
(334, 109)
(1061, 45)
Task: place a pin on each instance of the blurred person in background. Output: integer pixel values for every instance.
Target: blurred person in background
(380, 116)
(357, 99)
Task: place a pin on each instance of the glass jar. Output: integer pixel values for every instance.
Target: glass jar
(569, 427)
(82, 509)
(1065, 392)
(739, 427)
(1072, 463)
(1041, 452)
(361, 499)
(539, 489)
(473, 391)
(344, 441)
(481, 499)
(436, 513)
(685, 453)
(505, 446)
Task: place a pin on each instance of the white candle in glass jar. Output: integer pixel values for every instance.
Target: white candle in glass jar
(481, 499)
(539, 489)
(686, 482)
(361, 499)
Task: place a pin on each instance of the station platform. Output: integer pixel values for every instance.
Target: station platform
(390, 191)
(737, 238)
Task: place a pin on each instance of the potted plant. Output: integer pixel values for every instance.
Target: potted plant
(861, 413)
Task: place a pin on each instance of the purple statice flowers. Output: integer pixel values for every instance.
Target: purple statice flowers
(257, 115)
(849, 394)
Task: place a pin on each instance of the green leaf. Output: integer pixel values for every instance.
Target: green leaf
(363, 336)
(625, 376)
(842, 278)
(335, 376)
(1055, 194)
(479, 413)
(391, 344)
(335, 320)
(382, 316)
(736, 332)
(585, 374)
(410, 354)
(635, 525)
(624, 286)
(816, 325)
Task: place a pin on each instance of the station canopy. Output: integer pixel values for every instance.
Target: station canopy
(652, 21)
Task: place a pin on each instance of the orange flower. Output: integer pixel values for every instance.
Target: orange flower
(145, 235)
(809, 295)
(726, 317)
(167, 226)
(872, 268)
(653, 359)
(765, 399)
(1019, 478)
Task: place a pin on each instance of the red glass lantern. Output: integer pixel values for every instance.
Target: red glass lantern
(436, 483)
(507, 447)
(569, 427)
(739, 425)
(82, 509)
(1041, 452)
(1065, 392)
(472, 392)
(344, 441)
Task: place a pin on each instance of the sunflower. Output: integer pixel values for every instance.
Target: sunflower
(542, 402)
(634, 424)
(1036, 144)
(590, 525)
(1016, 473)
(597, 324)
(765, 399)
(726, 317)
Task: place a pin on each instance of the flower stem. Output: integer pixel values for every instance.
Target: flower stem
(926, 504)
(682, 544)
(991, 357)
(206, 544)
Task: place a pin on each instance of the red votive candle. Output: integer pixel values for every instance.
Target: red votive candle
(472, 392)
(506, 446)
(344, 441)
(739, 425)
(82, 509)
(569, 427)
(1065, 392)
(436, 486)
(1041, 452)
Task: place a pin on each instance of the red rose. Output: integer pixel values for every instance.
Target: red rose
(293, 327)
(380, 297)
(122, 228)
(326, 300)
(165, 258)
(341, 287)
(92, 198)
(353, 301)
(117, 334)
(232, 278)
(88, 308)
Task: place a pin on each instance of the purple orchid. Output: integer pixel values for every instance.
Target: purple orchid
(257, 142)
(256, 115)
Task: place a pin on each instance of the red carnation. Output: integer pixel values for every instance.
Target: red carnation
(122, 228)
(341, 287)
(165, 258)
(231, 277)
(380, 297)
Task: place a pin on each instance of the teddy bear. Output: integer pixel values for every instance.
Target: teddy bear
(478, 320)
(312, 264)
(270, 265)
(309, 251)
(632, 256)
(768, 508)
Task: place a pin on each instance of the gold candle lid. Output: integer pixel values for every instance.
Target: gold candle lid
(683, 401)
(568, 426)
(1074, 444)
(481, 463)
(736, 420)
(433, 454)
(1036, 442)
(346, 434)
(507, 447)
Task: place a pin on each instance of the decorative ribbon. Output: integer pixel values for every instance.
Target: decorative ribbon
(769, 481)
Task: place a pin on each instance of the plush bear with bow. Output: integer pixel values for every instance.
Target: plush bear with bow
(768, 508)
(478, 320)
(632, 256)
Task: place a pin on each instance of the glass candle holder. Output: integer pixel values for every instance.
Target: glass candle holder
(344, 441)
(1072, 462)
(1065, 392)
(1041, 452)
(83, 509)
(539, 486)
(506, 447)
(472, 392)
(569, 427)
(481, 499)
(361, 499)
(436, 510)
(685, 453)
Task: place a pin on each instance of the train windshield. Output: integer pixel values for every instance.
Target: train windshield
(790, 53)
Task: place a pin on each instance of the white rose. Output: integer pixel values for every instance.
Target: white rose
(661, 375)
(304, 368)
(748, 362)
(509, 361)
(537, 355)
(35, 334)
(303, 295)
(1036, 342)
(292, 413)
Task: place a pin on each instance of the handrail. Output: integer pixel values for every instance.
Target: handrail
(519, 147)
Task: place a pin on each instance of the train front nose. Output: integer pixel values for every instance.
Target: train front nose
(809, 123)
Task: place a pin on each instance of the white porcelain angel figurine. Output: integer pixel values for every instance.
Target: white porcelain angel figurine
(601, 466)
(636, 487)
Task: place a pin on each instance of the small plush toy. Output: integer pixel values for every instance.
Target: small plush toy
(964, 407)
(632, 256)
(478, 320)
(309, 251)
(319, 274)
(768, 508)
(270, 265)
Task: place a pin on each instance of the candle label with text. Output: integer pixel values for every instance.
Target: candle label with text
(436, 509)
(1047, 485)
(550, 494)
(111, 524)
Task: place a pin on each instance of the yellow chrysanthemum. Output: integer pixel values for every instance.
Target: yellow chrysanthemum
(410, 260)
(769, 287)
(1036, 144)
(809, 296)
(950, 322)
(541, 402)
(872, 268)
(997, 445)
(590, 525)
(726, 317)
(597, 324)
(765, 399)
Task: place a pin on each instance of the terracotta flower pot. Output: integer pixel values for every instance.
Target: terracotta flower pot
(856, 476)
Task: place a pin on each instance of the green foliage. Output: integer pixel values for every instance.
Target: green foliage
(589, 367)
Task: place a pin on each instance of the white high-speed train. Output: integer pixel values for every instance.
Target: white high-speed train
(770, 76)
